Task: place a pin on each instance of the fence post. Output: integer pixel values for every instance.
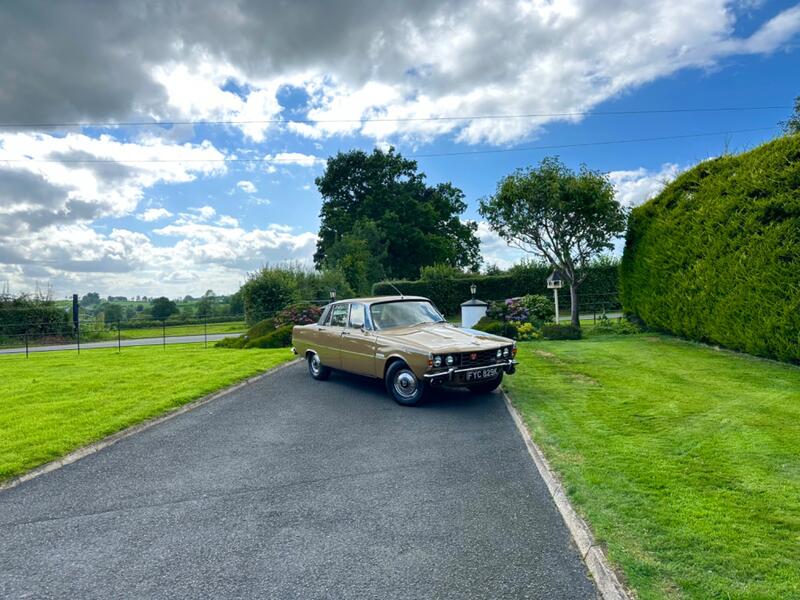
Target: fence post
(164, 333)
(205, 330)
(119, 338)
(79, 336)
(26, 344)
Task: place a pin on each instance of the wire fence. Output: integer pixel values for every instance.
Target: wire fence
(28, 337)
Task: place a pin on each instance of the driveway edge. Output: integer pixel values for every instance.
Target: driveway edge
(592, 554)
(112, 439)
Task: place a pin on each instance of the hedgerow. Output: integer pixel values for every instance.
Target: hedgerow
(716, 256)
(447, 293)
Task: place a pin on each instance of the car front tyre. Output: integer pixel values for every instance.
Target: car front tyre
(315, 367)
(484, 387)
(403, 386)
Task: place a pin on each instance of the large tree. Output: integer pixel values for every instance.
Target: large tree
(564, 217)
(417, 224)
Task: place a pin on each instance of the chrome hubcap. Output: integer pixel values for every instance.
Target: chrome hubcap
(405, 384)
(315, 364)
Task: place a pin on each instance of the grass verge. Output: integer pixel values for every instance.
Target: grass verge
(56, 402)
(685, 460)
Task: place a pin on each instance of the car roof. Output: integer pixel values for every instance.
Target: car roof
(379, 299)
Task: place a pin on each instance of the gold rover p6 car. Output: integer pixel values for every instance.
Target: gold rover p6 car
(405, 341)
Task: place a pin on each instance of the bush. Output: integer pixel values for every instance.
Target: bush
(266, 292)
(301, 313)
(447, 293)
(503, 328)
(540, 308)
(271, 289)
(278, 338)
(716, 256)
(34, 315)
(526, 331)
(561, 332)
(621, 327)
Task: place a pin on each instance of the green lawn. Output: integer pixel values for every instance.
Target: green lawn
(55, 402)
(684, 459)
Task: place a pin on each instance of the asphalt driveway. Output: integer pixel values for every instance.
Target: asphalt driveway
(293, 488)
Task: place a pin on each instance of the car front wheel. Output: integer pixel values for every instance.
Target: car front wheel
(484, 387)
(315, 367)
(403, 386)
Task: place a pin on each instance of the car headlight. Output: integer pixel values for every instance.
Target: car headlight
(499, 352)
(437, 361)
(450, 360)
(505, 352)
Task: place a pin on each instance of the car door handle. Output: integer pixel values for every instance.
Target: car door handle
(345, 333)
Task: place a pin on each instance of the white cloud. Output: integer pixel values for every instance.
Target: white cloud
(79, 258)
(495, 250)
(227, 221)
(153, 214)
(77, 178)
(639, 185)
(293, 158)
(247, 186)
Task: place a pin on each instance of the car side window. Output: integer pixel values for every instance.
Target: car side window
(339, 315)
(357, 316)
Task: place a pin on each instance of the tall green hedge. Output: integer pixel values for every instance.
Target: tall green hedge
(716, 256)
(597, 292)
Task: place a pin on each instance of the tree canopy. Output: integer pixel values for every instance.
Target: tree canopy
(561, 216)
(791, 126)
(379, 205)
(163, 308)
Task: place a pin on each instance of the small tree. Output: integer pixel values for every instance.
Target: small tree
(163, 308)
(564, 217)
(791, 126)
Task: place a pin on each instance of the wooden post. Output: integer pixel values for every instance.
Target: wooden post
(555, 295)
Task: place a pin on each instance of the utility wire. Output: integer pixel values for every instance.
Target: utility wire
(429, 155)
(104, 124)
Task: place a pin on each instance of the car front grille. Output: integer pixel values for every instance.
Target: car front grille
(478, 359)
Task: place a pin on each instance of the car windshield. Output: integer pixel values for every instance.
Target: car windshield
(404, 313)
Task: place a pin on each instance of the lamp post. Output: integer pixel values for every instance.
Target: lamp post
(333, 295)
(472, 289)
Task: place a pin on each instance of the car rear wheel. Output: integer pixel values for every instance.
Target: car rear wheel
(403, 386)
(318, 371)
(484, 387)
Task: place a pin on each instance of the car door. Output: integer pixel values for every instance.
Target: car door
(330, 336)
(358, 342)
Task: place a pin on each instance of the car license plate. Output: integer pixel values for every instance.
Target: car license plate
(482, 374)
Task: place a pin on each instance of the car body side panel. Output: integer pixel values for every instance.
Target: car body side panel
(358, 351)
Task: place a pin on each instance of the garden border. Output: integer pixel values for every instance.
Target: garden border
(591, 552)
(112, 439)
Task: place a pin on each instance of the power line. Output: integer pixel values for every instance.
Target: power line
(429, 155)
(105, 124)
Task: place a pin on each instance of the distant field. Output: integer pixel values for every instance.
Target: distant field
(174, 330)
(63, 400)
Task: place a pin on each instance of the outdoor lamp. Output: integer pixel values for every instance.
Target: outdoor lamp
(473, 288)
(333, 295)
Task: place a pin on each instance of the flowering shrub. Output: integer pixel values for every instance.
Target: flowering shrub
(516, 311)
(301, 313)
(540, 308)
(526, 331)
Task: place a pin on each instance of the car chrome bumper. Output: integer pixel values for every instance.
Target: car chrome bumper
(451, 374)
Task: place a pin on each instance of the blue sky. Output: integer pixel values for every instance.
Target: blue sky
(177, 210)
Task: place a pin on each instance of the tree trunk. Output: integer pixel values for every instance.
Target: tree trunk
(573, 311)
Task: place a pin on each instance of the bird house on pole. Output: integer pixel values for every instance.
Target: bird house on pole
(555, 282)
